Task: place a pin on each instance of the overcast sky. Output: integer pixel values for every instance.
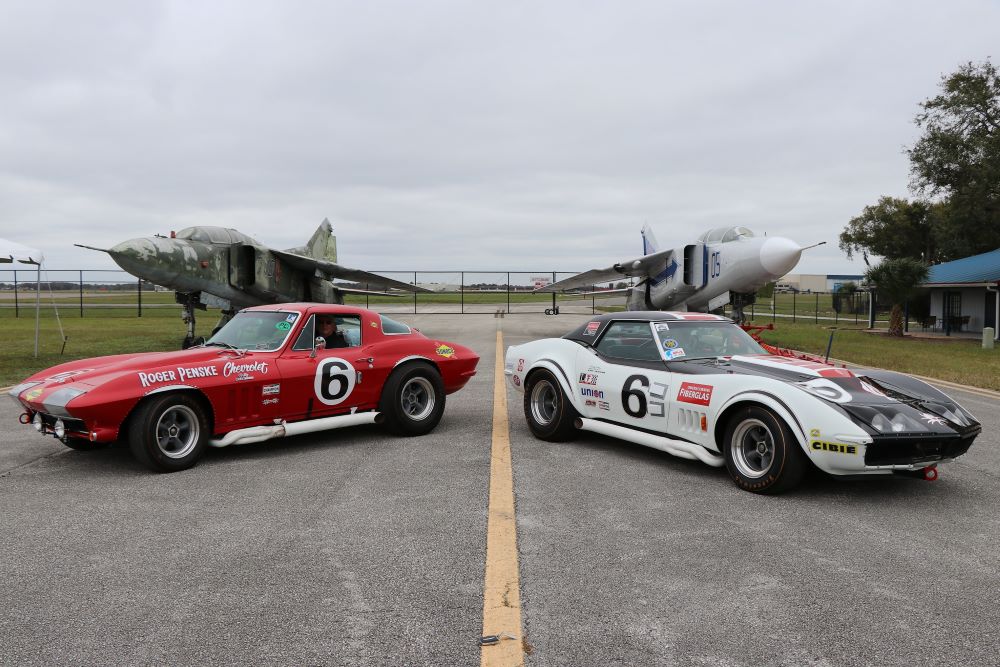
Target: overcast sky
(465, 135)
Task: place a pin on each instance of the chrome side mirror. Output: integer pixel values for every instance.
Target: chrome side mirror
(318, 344)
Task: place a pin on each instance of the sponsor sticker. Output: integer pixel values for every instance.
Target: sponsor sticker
(814, 433)
(603, 405)
(674, 353)
(834, 447)
(662, 326)
(243, 371)
(291, 318)
(670, 343)
(445, 350)
(592, 393)
(283, 326)
(33, 394)
(373, 325)
(698, 394)
(588, 378)
(270, 401)
(591, 403)
(592, 328)
(517, 381)
(520, 365)
(271, 389)
(931, 419)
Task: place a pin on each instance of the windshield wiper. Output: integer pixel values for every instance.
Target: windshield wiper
(229, 347)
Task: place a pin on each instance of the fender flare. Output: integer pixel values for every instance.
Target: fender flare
(557, 371)
(773, 403)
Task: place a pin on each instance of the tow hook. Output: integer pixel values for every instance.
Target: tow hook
(930, 473)
(24, 418)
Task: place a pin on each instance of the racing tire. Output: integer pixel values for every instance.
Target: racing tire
(168, 433)
(549, 414)
(762, 455)
(412, 400)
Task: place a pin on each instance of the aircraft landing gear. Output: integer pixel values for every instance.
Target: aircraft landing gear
(188, 303)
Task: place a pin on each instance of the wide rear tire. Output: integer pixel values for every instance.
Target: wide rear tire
(169, 432)
(549, 414)
(762, 455)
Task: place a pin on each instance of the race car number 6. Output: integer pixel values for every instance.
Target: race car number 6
(334, 380)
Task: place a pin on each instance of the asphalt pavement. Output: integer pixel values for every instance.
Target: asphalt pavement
(354, 548)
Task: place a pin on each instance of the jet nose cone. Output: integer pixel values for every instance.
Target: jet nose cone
(133, 255)
(779, 255)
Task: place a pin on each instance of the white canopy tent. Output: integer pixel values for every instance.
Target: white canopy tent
(11, 252)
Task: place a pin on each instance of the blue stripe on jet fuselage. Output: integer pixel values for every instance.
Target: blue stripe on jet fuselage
(666, 274)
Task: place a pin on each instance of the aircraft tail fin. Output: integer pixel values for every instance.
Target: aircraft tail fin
(322, 245)
(649, 244)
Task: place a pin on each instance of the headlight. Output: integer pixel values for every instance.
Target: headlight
(60, 429)
(37, 422)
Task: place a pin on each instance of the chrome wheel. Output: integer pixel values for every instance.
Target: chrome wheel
(177, 431)
(544, 402)
(417, 398)
(752, 448)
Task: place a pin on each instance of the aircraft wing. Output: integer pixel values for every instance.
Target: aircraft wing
(354, 290)
(331, 270)
(642, 267)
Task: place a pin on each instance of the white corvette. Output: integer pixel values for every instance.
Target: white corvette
(699, 387)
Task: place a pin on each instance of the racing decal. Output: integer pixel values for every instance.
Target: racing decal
(826, 389)
(654, 405)
(374, 325)
(271, 389)
(593, 393)
(65, 375)
(517, 381)
(243, 371)
(160, 376)
(588, 378)
(270, 401)
(698, 394)
(334, 381)
(283, 326)
(520, 365)
(595, 369)
(674, 353)
(33, 394)
(445, 350)
(670, 343)
(592, 328)
(591, 403)
(603, 405)
(932, 420)
(807, 367)
(662, 326)
(291, 318)
(837, 448)
(814, 433)
(197, 372)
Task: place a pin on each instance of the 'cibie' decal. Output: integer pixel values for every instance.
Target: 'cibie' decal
(699, 394)
(833, 447)
(334, 381)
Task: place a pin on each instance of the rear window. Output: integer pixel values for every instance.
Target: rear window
(391, 326)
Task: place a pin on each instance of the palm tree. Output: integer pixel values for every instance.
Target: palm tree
(898, 280)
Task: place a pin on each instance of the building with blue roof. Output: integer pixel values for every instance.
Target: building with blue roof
(965, 293)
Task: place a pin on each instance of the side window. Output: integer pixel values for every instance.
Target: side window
(305, 339)
(339, 331)
(629, 340)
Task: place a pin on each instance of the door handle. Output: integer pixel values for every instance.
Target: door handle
(365, 360)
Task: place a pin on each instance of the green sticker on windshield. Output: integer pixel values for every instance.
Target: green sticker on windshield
(284, 326)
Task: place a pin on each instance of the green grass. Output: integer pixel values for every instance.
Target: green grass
(956, 360)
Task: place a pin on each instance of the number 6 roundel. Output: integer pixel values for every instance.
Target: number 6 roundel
(334, 380)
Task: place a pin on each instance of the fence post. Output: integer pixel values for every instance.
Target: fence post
(774, 307)
(16, 309)
(508, 292)
(367, 296)
(139, 292)
(81, 293)
(906, 317)
(461, 292)
(816, 318)
(414, 294)
(793, 306)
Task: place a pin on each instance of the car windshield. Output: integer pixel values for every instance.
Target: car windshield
(682, 340)
(263, 331)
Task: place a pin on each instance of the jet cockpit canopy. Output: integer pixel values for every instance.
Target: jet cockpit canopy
(725, 234)
(213, 235)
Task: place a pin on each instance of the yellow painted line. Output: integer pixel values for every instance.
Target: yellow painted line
(502, 589)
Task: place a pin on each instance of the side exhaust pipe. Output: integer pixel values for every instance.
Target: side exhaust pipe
(684, 450)
(246, 436)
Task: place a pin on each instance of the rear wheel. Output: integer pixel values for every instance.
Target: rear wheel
(413, 399)
(546, 408)
(169, 432)
(761, 453)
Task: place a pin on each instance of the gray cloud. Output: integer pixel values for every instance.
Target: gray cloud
(464, 135)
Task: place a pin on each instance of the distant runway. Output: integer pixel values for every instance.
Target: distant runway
(357, 548)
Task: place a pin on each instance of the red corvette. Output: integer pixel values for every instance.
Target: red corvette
(271, 371)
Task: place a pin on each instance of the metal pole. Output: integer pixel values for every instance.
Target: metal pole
(906, 317)
(553, 294)
(38, 304)
(461, 292)
(793, 306)
(774, 306)
(508, 291)
(16, 309)
(829, 345)
(139, 292)
(81, 293)
(816, 319)
(414, 294)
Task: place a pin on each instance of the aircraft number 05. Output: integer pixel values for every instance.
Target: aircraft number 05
(716, 263)
(334, 381)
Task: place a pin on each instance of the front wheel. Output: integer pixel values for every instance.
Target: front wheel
(546, 408)
(413, 400)
(762, 455)
(169, 432)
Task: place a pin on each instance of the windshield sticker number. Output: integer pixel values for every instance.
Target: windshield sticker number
(335, 380)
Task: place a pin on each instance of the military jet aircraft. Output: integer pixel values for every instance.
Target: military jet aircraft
(226, 269)
(725, 265)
